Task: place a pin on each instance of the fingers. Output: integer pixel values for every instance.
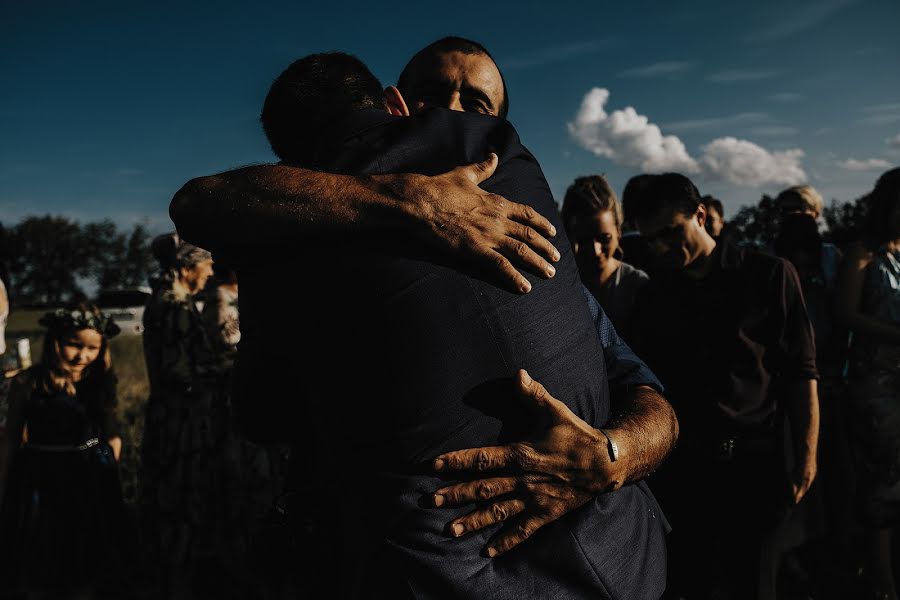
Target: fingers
(505, 274)
(521, 253)
(799, 490)
(474, 459)
(473, 491)
(496, 513)
(526, 215)
(534, 239)
(478, 172)
(797, 493)
(510, 537)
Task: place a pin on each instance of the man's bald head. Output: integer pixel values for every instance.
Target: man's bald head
(455, 73)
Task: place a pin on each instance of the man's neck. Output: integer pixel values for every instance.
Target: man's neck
(702, 266)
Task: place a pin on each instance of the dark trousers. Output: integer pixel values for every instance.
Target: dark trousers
(729, 512)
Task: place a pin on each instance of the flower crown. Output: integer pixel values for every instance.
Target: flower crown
(62, 320)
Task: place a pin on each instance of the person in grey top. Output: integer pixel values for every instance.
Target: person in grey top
(592, 216)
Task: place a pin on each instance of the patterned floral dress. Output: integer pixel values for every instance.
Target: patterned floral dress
(876, 394)
(205, 489)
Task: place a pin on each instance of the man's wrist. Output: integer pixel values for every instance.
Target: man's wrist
(612, 473)
(611, 446)
(400, 197)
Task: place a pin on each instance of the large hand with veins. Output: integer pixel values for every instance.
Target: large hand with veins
(485, 230)
(562, 465)
(278, 206)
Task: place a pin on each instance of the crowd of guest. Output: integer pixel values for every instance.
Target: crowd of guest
(735, 336)
(782, 365)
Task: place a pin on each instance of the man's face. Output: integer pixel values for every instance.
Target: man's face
(458, 81)
(676, 238)
(714, 222)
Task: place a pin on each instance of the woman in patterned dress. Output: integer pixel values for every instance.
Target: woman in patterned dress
(869, 301)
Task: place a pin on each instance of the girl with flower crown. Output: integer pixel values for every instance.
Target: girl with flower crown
(62, 523)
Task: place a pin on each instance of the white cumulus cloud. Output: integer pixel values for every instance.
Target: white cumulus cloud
(744, 163)
(626, 137)
(869, 164)
(630, 139)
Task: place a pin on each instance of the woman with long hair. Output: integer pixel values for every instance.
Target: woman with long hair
(869, 302)
(63, 527)
(592, 217)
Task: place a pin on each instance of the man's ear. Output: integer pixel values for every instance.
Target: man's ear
(701, 215)
(395, 103)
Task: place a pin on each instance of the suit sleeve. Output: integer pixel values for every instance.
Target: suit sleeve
(624, 368)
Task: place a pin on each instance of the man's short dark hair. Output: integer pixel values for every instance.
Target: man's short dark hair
(713, 203)
(444, 46)
(661, 192)
(310, 97)
(632, 194)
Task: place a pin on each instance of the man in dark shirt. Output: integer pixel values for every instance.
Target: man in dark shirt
(440, 349)
(726, 330)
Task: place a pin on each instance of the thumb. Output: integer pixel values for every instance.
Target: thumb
(532, 392)
(478, 172)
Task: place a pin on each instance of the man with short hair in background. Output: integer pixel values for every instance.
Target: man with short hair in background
(727, 330)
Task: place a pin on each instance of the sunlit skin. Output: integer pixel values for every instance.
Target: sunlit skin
(681, 241)
(461, 82)
(595, 240)
(79, 350)
(194, 278)
(714, 222)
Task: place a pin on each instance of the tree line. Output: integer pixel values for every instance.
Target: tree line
(50, 260)
(758, 225)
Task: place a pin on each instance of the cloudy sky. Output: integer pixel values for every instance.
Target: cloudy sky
(108, 107)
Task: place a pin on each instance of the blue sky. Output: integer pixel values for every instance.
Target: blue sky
(108, 107)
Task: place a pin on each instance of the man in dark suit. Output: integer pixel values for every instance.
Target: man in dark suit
(441, 350)
(288, 208)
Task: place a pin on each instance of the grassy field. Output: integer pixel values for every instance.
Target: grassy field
(128, 362)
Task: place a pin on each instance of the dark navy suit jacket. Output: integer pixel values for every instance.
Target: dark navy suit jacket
(400, 359)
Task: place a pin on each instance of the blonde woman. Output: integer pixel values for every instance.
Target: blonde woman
(592, 217)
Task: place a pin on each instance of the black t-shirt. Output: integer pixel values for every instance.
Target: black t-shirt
(723, 345)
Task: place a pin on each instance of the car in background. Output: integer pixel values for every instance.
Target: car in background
(125, 307)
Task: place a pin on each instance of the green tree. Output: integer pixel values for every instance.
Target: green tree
(107, 250)
(138, 259)
(51, 258)
(119, 260)
(47, 257)
(845, 220)
(756, 225)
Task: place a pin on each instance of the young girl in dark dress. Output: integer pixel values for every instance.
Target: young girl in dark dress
(62, 524)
